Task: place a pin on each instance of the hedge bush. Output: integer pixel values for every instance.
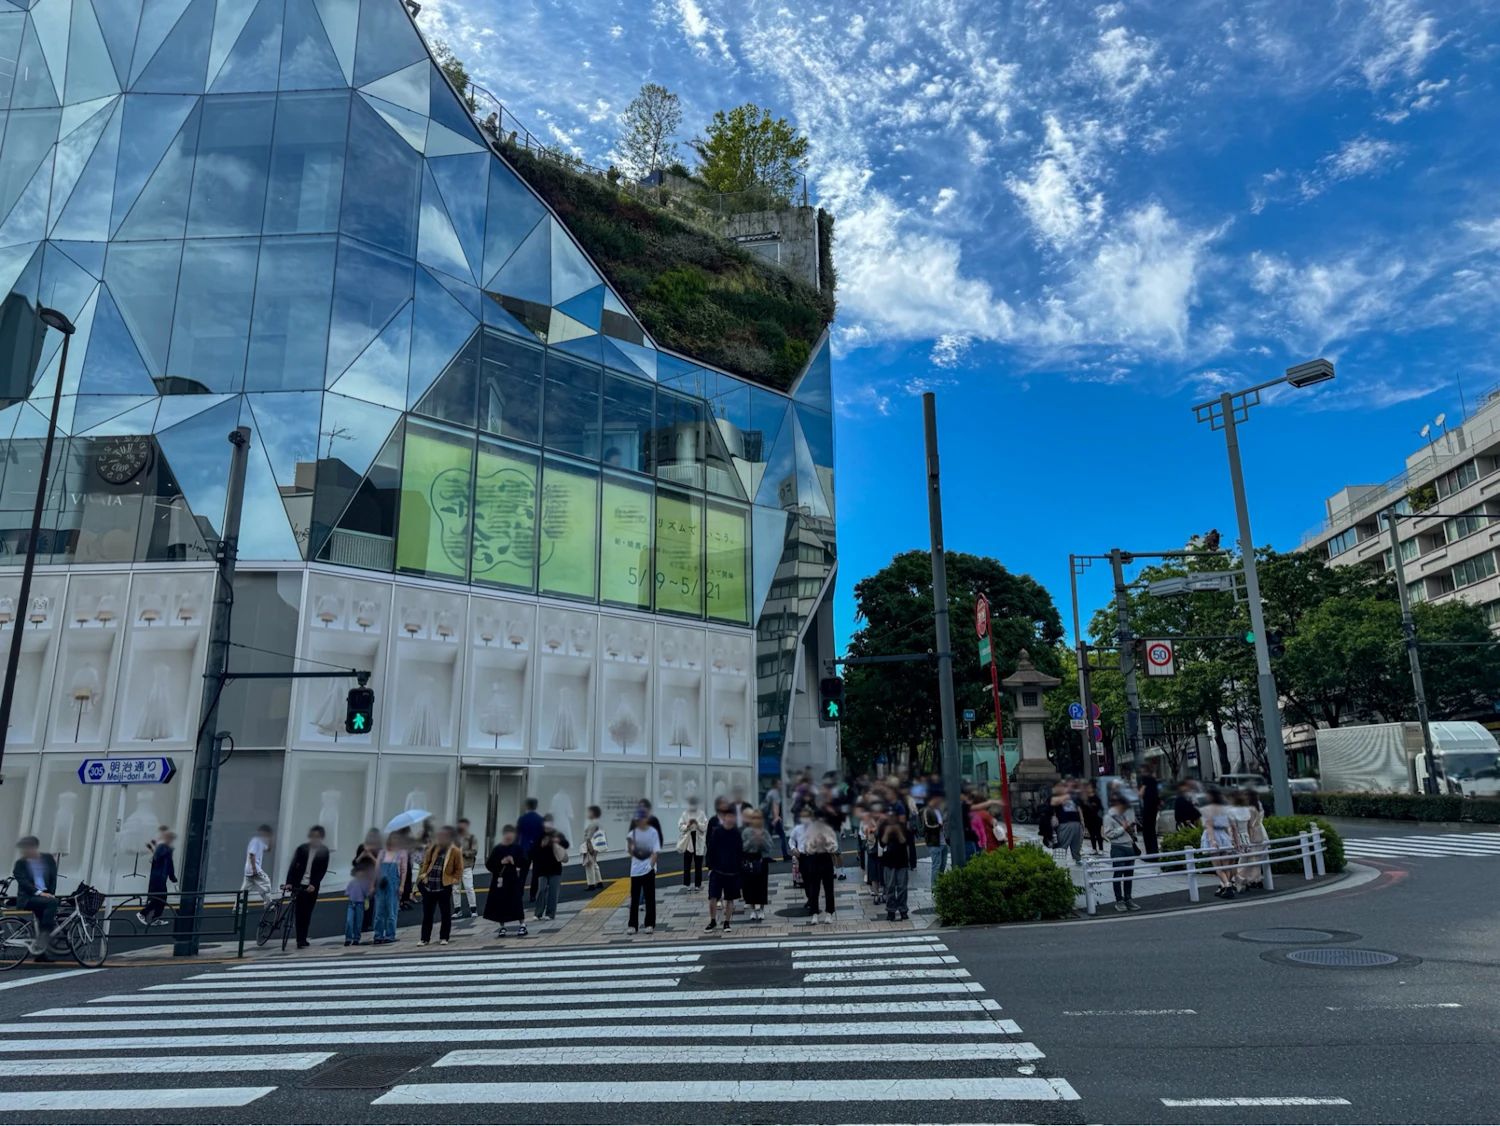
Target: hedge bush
(1401, 807)
(1333, 859)
(1005, 886)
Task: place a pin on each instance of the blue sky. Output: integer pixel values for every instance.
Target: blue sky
(1072, 221)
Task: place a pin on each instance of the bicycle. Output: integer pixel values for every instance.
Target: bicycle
(78, 925)
(278, 914)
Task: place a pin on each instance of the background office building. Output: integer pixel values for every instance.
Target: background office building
(578, 566)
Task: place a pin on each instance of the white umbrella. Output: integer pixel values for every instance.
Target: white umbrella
(406, 820)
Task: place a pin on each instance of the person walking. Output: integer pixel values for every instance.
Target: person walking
(304, 875)
(468, 848)
(1069, 817)
(393, 863)
(35, 875)
(528, 831)
(726, 852)
(755, 869)
(799, 831)
(358, 891)
(547, 863)
(1150, 791)
(1119, 829)
(897, 855)
(692, 837)
(162, 872)
(507, 867)
(642, 843)
(932, 835)
(255, 866)
(594, 845)
(819, 844)
(1092, 811)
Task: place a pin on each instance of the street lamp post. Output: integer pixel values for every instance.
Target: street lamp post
(1409, 635)
(52, 319)
(1226, 413)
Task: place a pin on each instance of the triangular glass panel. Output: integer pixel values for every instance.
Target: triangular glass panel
(66, 286)
(721, 476)
(817, 430)
(642, 357)
(453, 396)
(160, 210)
(768, 411)
(589, 347)
(31, 423)
(815, 387)
(512, 214)
(198, 452)
(27, 221)
(616, 358)
(528, 273)
(89, 255)
(341, 25)
(442, 141)
(361, 506)
(287, 422)
(437, 242)
(439, 329)
(412, 127)
(561, 328)
(378, 375)
(52, 18)
(150, 125)
(387, 42)
(587, 307)
(810, 496)
(78, 113)
(33, 87)
(465, 295)
(158, 18)
(85, 217)
(254, 61)
(180, 65)
(13, 260)
(369, 287)
(571, 272)
(352, 434)
(139, 420)
(387, 208)
(673, 371)
(142, 276)
(118, 21)
(94, 411)
(265, 531)
(525, 318)
(65, 406)
(73, 154)
(27, 283)
(229, 21)
(179, 408)
(771, 530)
(308, 61)
(449, 110)
(775, 476)
(462, 180)
(29, 140)
(91, 74)
(407, 87)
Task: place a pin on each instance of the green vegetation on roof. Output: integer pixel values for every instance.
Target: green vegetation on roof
(696, 293)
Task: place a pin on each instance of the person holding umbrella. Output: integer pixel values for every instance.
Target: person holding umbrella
(394, 864)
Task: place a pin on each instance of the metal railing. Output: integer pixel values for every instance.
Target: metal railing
(1099, 873)
(219, 914)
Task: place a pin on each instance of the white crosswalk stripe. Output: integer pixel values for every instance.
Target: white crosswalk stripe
(774, 1023)
(1442, 844)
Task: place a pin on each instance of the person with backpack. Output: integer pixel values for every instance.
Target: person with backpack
(932, 835)
(594, 845)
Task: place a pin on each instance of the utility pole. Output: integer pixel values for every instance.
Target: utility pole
(1117, 561)
(1409, 631)
(953, 778)
(1090, 763)
(206, 757)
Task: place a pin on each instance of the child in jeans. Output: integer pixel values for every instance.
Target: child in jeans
(358, 891)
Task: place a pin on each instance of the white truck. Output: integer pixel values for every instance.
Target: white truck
(1388, 758)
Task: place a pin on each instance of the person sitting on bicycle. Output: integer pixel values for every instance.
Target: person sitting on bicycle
(36, 888)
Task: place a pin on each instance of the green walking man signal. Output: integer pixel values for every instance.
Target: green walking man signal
(831, 695)
(361, 711)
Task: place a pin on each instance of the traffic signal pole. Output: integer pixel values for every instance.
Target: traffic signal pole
(1133, 748)
(1409, 633)
(953, 777)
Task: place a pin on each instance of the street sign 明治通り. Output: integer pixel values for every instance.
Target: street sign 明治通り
(122, 771)
(1160, 659)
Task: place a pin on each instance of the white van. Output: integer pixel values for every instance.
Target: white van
(1468, 754)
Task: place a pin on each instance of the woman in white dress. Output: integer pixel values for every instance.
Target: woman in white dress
(1253, 844)
(1217, 843)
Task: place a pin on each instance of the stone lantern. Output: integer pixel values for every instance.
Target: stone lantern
(1027, 685)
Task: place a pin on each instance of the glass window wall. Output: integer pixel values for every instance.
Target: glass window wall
(569, 529)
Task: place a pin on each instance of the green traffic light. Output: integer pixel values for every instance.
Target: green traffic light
(1250, 637)
(359, 721)
(833, 709)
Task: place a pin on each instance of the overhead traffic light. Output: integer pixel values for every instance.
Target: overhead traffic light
(1274, 643)
(831, 700)
(361, 711)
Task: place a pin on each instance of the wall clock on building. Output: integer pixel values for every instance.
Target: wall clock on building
(121, 459)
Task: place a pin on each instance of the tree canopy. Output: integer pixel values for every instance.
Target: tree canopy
(893, 708)
(747, 148)
(646, 129)
(457, 73)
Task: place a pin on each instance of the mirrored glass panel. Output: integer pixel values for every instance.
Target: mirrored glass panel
(229, 176)
(629, 411)
(677, 444)
(307, 162)
(572, 406)
(289, 332)
(382, 182)
(212, 323)
(510, 387)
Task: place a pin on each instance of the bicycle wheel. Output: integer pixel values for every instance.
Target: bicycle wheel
(267, 925)
(16, 934)
(287, 917)
(87, 940)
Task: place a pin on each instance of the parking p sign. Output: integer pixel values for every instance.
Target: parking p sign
(1160, 659)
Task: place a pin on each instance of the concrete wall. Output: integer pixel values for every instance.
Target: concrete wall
(787, 238)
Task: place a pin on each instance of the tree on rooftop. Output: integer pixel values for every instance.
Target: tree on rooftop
(646, 129)
(456, 72)
(746, 148)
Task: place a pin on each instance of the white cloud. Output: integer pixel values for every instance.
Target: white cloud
(951, 349)
(945, 198)
(1359, 156)
(1124, 62)
(1404, 38)
(1057, 194)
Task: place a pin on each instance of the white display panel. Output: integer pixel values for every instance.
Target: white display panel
(328, 789)
(346, 626)
(64, 816)
(413, 782)
(161, 677)
(565, 681)
(41, 622)
(618, 789)
(731, 727)
(625, 687)
(421, 699)
(679, 692)
(497, 714)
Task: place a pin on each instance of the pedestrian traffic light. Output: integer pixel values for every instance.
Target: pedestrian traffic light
(1274, 644)
(831, 696)
(361, 711)
(1249, 637)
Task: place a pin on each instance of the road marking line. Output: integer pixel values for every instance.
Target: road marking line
(126, 1005)
(844, 951)
(32, 979)
(1131, 1013)
(731, 1091)
(334, 1037)
(373, 990)
(164, 1065)
(1382, 1008)
(886, 975)
(520, 977)
(445, 965)
(1252, 1100)
(134, 1098)
(851, 963)
(293, 1020)
(726, 1054)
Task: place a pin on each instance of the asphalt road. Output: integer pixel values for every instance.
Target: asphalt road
(1121, 1012)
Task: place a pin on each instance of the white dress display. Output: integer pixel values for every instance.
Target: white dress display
(328, 817)
(333, 710)
(64, 814)
(562, 811)
(156, 715)
(425, 728)
(327, 608)
(498, 717)
(565, 727)
(624, 728)
(139, 829)
(85, 694)
(152, 606)
(730, 722)
(682, 732)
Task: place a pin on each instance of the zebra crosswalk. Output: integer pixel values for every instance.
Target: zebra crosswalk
(1434, 844)
(843, 1022)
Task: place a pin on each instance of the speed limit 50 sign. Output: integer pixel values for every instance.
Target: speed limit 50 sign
(1160, 659)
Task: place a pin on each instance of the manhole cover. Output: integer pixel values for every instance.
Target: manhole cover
(1342, 957)
(1285, 935)
(368, 1071)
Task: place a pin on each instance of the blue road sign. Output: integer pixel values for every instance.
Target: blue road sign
(1075, 711)
(126, 771)
(968, 715)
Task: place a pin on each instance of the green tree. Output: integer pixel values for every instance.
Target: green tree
(893, 708)
(746, 148)
(456, 72)
(646, 129)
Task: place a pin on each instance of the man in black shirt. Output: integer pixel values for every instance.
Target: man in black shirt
(725, 851)
(303, 877)
(1150, 807)
(1185, 808)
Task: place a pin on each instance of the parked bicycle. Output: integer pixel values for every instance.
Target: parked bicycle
(278, 914)
(79, 931)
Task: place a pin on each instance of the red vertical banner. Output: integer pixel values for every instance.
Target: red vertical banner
(982, 628)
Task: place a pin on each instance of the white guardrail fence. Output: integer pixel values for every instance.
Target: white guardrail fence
(1099, 872)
